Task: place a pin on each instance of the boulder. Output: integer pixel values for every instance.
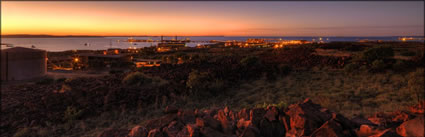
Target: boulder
(256, 115)
(186, 116)
(271, 128)
(190, 130)
(155, 133)
(250, 131)
(138, 131)
(305, 117)
(367, 130)
(225, 122)
(358, 121)
(331, 129)
(209, 132)
(419, 108)
(161, 122)
(412, 128)
(243, 113)
(200, 122)
(173, 128)
(387, 133)
(271, 114)
(211, 122)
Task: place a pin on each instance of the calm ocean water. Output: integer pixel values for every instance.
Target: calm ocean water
(72, 43)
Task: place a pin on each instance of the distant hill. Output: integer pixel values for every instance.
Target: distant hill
(43, 36)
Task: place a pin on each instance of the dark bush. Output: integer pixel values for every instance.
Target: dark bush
(284, 69)
(377, 53)
(202, 84)
(140, 79)
(408, 53)
(45, 80)
(250, 61)
(378, 66)
(348, 46)
(349, 68)
(400, 65)
(416, 84)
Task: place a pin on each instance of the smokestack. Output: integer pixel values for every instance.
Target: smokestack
(162, 38)
(176, 37)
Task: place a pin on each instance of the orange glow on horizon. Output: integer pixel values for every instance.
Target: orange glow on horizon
(18, 18)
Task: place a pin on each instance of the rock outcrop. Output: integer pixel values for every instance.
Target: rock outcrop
(301, 119)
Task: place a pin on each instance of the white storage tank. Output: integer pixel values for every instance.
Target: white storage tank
(21, 63)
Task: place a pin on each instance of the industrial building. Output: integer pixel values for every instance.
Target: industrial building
(19, 63)
(91, 60)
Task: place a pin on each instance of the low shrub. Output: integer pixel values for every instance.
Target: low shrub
(408, 53)
(378, 65)
(416, 84)
(24, 132)
(45, 80)
(284, 69)
(377, 53)
(250, 61)
(140, 79)
(71, 113)
(349, 68)
(399, 65)
(202, 84)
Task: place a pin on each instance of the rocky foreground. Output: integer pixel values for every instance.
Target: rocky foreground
(301, 119)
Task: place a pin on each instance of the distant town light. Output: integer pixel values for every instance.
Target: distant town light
(76, 60)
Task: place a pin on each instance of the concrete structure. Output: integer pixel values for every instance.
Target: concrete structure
(92, 60)
(20, 63)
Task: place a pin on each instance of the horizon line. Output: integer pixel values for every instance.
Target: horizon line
(49, 35)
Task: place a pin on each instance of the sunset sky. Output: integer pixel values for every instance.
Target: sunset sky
(237, 18)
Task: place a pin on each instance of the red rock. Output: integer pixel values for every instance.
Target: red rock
(256, 115)
(305, 117)
(138, 131)
(250, 131)
(386, 133)
(190, 130)
(209, 132)
(367, 130)
(359, 121)
(271, 114)
(412, 128)
(419, 108)
(200, 122)
(242, 123)
(285, 121)
(186, 116)
(400, 117)
(271, 129)
(211, 122)
(330, 129)
(114, 133)
(225, 122)
(155, 133)
(161, 122)
(211, 112)
(173, 128)
(243, 114)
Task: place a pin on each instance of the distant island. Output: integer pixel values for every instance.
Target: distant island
(86, 36)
